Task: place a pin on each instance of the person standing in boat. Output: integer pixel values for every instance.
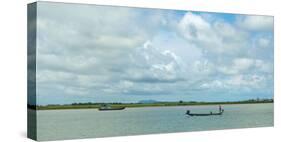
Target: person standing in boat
(220, 108)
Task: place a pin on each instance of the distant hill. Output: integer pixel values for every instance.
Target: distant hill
(147, 101)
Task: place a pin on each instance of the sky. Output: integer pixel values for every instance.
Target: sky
(90, 53)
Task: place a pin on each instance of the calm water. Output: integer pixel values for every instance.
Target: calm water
(91, 123)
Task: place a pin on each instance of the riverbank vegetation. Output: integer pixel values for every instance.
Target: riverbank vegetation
(91, 105)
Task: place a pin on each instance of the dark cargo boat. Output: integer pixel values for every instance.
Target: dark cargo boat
(108, 107)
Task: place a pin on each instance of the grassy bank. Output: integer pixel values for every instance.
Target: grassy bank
(130, 105)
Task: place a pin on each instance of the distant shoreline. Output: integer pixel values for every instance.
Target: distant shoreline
(138, 105)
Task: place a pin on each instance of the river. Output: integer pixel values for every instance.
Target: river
(91, 123)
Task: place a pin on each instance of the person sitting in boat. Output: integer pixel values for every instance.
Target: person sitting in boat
(188, 112)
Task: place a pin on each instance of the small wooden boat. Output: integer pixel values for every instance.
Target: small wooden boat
(205, 114)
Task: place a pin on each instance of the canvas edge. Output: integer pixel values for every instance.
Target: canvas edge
(31, 70)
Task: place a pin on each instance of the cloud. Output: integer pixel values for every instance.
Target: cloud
(216, 37)
(213, 84)
(253, 81)
(151, 65)
(235, 50)
(240, 81)
(104, 53)
(263, 42)
(246, 65)
(256, 23)
(238, 66)
(195, 28)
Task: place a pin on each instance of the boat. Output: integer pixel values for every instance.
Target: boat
(108, 107)
(205, 114)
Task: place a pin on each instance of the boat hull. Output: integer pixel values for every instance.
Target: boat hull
(108, 109)
(204, 114)
(209, 114)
